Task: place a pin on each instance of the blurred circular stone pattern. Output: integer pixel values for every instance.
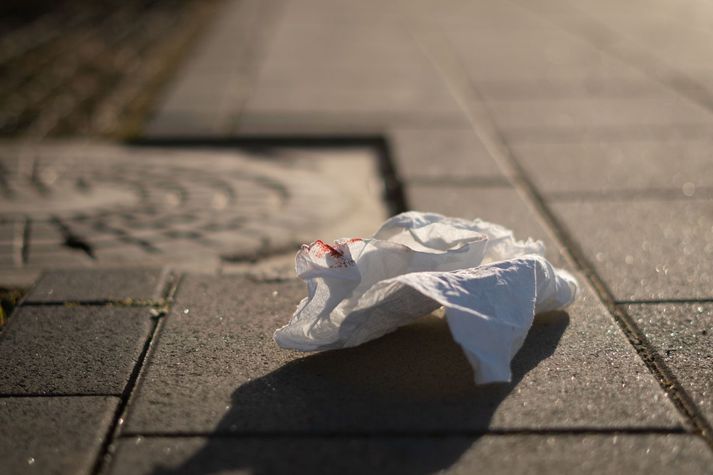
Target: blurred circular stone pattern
(89, 204)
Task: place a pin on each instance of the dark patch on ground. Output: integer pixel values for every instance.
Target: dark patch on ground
(89, 67)
(9, 298)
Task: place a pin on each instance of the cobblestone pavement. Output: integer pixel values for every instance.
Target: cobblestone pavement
(585, 125)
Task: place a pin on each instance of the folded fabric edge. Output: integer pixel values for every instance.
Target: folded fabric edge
(531, 281)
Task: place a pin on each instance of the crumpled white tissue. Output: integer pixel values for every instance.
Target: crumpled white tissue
(490, 285)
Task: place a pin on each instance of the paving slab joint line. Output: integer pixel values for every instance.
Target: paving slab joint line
(25, 247)
(128, 302)
(450, 66)
(54, 394)
(157, 306)
(653, 361)
(113, 432)
(660, 71)
(573, 252)
(405, 433)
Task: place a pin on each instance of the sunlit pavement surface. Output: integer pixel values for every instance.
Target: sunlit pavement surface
(146, 346)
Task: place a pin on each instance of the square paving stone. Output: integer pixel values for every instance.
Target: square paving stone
(57, 435)
(44, 256)
(71, 350)
(645, 249)
(442, 154)
(216, 370)
(11, 231)
(682, 334)
(347, 69)
(341, 12)
(534, 53)
(498, 204)
(16, 277)
(188, 123)
(682, 167)
(501, 454)
(352, 56)
(10, 255)
(591, 114)
(344, 102)
(92, 285)
(476, 15)
(599, 82)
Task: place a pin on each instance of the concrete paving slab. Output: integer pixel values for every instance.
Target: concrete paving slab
(499, 204)
(539, 52)
(71, 350)
(214, 83)
(590, 114)
(216, 370)
(682, 334)
(315, 99)
(678, 167)
(92, 285)
(480, 15)
(11, 231)
(645, 249)
(662, 39)
(194, 122)
(540, 453)
(358, 55)
(10, 255)
(606, 82)
(341, 12)
(13, 277)
(431, 154)
(53, 435)
(61, 257)
(347, 69)
(663, 33)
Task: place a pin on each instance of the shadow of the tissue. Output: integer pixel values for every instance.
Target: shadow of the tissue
(383, 407)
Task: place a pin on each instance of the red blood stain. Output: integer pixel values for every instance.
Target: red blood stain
(353, 240)
(323, 248)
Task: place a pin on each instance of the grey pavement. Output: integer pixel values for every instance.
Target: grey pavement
(585, 125)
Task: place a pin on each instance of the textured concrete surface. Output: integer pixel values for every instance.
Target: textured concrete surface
(215, 369)
(92, 285)
(682, 335)
(71, 350)
(450, 155)
(670, 168)
(655, 454)
(647, 250)
(534, 53)
(325, 71)
(600, 114)
(203, 99)
(58, 435)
